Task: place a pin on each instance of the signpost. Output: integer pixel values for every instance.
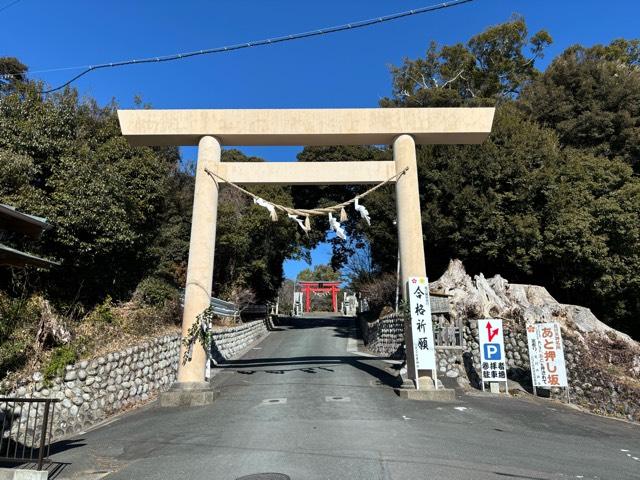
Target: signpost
(492, 353)
(546, 355)
(424, 351)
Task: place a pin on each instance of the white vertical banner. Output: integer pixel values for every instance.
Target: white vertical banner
(546, 355)
(534, 355)
(424, 351)
(492, 354)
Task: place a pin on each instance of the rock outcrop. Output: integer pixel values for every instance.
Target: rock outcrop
(603, 365)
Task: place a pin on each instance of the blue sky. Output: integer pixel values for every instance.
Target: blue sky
(347, 69)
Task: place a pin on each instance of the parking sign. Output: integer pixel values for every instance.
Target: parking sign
(492, 355)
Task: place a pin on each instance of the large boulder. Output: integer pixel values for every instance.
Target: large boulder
(603, 365)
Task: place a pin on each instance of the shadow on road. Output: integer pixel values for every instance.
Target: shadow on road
(310, 365)
(343, 327)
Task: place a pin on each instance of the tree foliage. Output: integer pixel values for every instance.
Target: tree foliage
(319, 272)
(492, 66)
(551, 196)
(120, 214)
(591, 98)
(65, 160)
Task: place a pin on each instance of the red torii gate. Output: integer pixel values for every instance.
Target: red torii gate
(320, 286)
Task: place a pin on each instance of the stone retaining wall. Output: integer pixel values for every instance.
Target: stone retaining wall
(451, 363)
(385, 337)
(231, 341)
(92, 390)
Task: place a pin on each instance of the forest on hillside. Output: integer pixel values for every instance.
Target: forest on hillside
(551, 198)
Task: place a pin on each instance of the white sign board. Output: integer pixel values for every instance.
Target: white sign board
(546, 355)
(424, 351)
(492, 354)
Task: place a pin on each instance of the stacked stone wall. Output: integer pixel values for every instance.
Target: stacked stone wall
(231, 341)
(385, 337)
(92, 390)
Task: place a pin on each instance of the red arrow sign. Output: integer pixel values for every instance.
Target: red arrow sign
(491, 333)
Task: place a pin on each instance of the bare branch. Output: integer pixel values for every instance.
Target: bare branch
(452, 79)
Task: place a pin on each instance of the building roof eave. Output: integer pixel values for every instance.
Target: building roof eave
(13, 220)
(15, 258)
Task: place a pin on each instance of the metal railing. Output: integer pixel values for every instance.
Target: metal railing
(27, 423)
(223, 308)
(447, 333)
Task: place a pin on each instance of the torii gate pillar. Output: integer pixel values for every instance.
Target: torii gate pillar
(412, 260)
(197, 295)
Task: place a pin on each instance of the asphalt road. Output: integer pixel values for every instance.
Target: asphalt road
(302, 403)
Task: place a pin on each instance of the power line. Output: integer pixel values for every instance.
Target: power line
(8, 5)
(258, 43)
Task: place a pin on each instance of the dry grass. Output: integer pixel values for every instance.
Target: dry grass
(107, 328)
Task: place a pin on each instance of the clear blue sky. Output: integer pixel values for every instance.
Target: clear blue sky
(347, 69)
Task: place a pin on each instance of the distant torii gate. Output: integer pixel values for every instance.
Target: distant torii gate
(210, 129)
(320, 286)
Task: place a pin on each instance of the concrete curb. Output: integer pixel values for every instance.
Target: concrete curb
(22, 474)
(440, 395)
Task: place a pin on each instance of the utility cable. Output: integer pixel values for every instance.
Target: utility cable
(260, 43)
(9, 5)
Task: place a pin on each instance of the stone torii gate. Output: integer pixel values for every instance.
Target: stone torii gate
(402, 128)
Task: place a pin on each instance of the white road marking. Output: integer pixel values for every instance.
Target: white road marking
(405, 417)
(624, 450)
(461, 409)
(256, 348)
(274, 401)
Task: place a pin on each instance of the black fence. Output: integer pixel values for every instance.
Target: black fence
(27, 423)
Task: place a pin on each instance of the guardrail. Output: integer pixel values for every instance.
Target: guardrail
(230, 309)
(223, 308)
(25, 435)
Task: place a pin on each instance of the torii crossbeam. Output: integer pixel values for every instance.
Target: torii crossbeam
(402, 128)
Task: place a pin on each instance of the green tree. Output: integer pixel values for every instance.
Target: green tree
(66, 161)
(319, 272)
(12, 74)
(523, 203)
(494, 65)
(591, 97)
(591, 237)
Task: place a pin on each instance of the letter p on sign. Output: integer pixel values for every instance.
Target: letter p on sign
(492, 351)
